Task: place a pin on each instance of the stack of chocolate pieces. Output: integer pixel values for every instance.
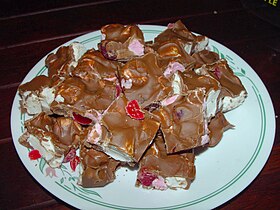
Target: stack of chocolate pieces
(131, 103)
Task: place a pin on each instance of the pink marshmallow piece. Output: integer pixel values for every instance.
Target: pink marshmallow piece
(159, 184)
(172, 68)
(136, 47)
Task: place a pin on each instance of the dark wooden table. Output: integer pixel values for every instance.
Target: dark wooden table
(30, 29)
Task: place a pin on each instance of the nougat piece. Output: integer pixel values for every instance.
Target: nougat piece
(122, 137)
(172, 56)
(96, 71)
(183, 121)
(72, 96)
(91, 89)
(37, 95)
(121, 42)
(96, 168)
(64, 60)
(53, 137)
(233, 93)
(177, 31)
(191, 81)
(217, 126)
(159, 170)
(142, 79)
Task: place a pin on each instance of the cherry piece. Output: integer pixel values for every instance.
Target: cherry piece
(105, 53)
(134, 111)
(70, 156)
(74, 162)
(80, 119)
(34, 154)
(217, 72)
(146, 178)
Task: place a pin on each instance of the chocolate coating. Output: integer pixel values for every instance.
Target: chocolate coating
(205, 57)
(63, 133)
(180, 34)
(76, 97)
(36, 84)
(121, 33)
(93, 69)
(148, 84)
(172, 51)
(59, 63)
(33, 100)
(182, 122)
(117, 38)
(158, 162)
(192, 81)
(68, 131)
(98, 169)
(41, 121)
(217, 126)
(129, 136)
(231, 84)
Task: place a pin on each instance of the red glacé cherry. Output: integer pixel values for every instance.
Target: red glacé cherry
(146, 178)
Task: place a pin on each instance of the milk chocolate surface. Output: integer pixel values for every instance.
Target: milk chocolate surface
(96, 71)
(205, 57)
(121, 33)
(68, 131)
(119, 40)
(182, 122)
(36, 84)
(178, 32)
(98, 169)
(172, 51)
(52, 137)
(142, 79)
(36, 95)
(41, 121)
(158, 162)
(192, 81)
(64, 132)
(59, 63)
(221, 71)
(75, 97)
(217, 126)
(127, 135)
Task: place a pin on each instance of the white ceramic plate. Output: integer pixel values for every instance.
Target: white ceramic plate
(222, 171)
